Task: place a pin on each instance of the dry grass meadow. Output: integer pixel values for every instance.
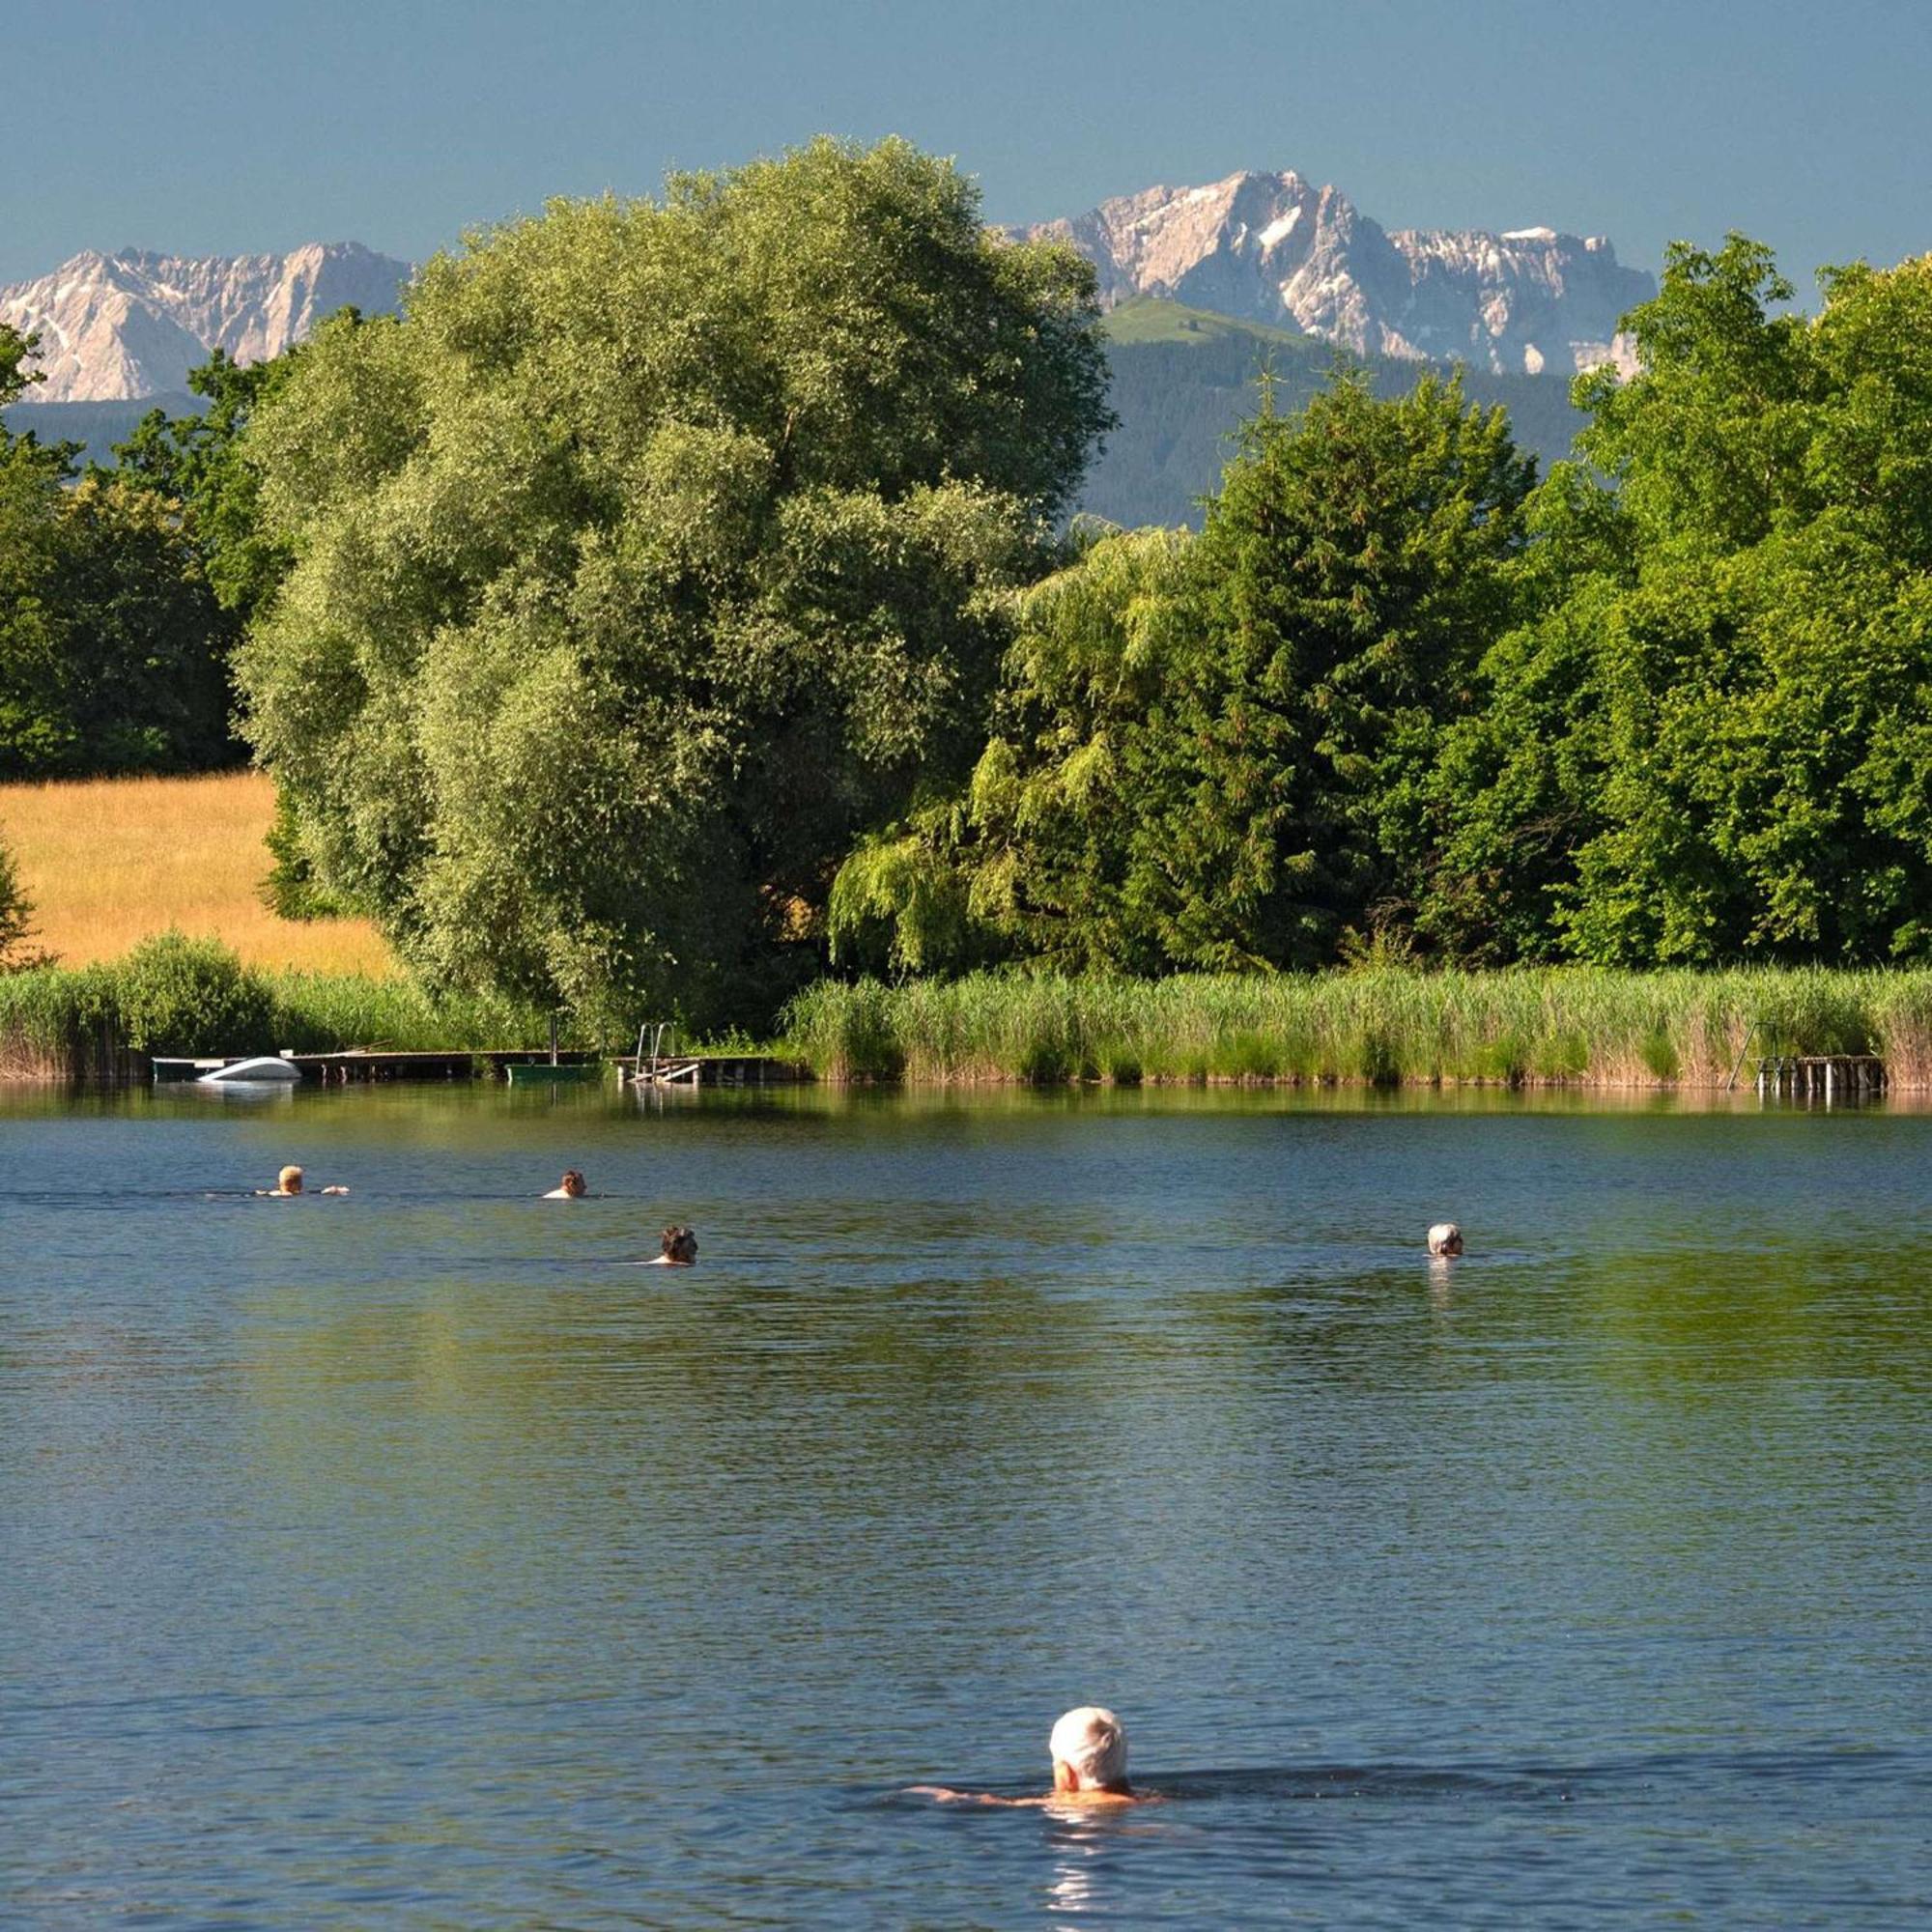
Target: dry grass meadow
(109, 860)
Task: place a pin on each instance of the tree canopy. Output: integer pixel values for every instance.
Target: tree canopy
(658, 549)
(112, 649)
(1713, 738)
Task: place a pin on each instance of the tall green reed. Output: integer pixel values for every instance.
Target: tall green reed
(1531, 1025)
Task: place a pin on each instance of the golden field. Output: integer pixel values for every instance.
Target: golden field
(107, 862)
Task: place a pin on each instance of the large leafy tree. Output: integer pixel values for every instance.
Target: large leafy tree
(1711, 741)
(1354, 569)
(657, 549)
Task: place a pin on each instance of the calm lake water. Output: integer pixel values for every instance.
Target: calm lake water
(411, 1560)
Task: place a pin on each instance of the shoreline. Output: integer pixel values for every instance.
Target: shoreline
(1515, 1029)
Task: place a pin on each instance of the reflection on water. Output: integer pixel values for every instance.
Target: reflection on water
(408, 1559)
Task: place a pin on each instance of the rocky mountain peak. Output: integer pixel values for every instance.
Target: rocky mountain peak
(134, 322)
(1277, 248)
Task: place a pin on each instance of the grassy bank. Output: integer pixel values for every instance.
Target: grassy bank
(1584, 1025)
(178, 996)
(109, 862)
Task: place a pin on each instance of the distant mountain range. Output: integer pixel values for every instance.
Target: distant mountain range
(113, 328)
(1205, 286)
(1270, 248)
(1274, 248)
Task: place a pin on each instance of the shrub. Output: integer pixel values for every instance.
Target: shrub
(178, 995)
(16, 916)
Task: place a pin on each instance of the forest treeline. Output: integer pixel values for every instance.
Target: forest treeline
(1671, 706)
(678, 597)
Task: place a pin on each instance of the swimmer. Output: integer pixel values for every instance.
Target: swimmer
(569, 1188)
(677, 1248)
(1445, 1240)
(289, 1184)
(1089, 1748)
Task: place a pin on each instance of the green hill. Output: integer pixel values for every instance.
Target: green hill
(1184, 379)
(95, 426)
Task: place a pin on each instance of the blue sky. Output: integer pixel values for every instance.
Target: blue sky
(210, 126)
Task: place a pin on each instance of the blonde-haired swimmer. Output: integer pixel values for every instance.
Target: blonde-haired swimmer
(569, 1188)
(1445, 1240)
(1089, 1748)
(289, 1183)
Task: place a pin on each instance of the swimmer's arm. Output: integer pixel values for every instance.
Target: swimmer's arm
(334, 1190)
(949, 1797)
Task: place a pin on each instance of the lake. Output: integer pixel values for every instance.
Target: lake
(416, 1559)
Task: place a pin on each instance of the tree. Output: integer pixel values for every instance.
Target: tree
(17, 915)
(1354, 570)
(111, 644)
(1213, 754)
(109, 657)
(201, 462)
(657, 550)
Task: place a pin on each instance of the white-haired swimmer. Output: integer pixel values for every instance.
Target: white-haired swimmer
(1445, 1240)
(1089, 1748)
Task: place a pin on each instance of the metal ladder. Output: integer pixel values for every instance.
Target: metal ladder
(649, 1067)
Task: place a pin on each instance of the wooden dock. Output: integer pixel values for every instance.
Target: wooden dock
(371, 1063)
(363, 1064)
(1830, 1077)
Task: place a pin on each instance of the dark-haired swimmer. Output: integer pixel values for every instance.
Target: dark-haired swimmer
(1089, 1748)
(678, 1248)
(289, 1184)
(569, 1188)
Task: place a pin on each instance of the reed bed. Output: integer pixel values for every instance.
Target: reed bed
(1585, 1025)
(108, 862)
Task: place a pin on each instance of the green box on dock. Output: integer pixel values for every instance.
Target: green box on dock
(542, 1072)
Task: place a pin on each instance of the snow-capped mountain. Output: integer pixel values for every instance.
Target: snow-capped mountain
(134, 324)
(1272, 247)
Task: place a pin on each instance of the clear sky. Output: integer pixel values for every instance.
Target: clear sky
(215, 126)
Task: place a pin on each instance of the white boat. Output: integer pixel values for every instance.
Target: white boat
(263, 1071)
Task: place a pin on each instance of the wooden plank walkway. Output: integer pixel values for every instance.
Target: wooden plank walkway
(492, 1063)
(368, 1063)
